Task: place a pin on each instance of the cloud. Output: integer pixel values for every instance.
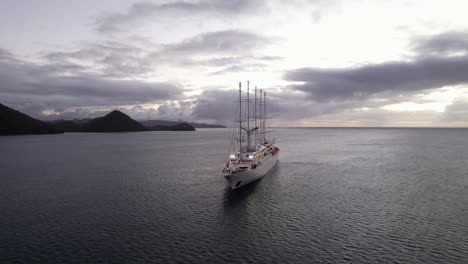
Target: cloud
(5, 54)
(140, 12)
(444, 44)
(362, 82)
(220, 51)
(282, 104)
(215, 105)
(219, 42)
(97, 74)
(456, 112)
(359, 93)
(175, 110)
(223, 61)
(226, 65)
(222, 12)
(117, 58)
(434, 67)
(131, 56)
(242, 67)
(31, 86)
(228, 50)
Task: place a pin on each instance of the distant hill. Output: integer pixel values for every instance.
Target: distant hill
(204, 125)
(115, 121)
(13, 122)
(68, 125)
(154, 123)
(178, 127)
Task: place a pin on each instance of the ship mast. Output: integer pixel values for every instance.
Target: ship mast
(248, 113)
(255, 114)
(248, 131)
(264, 116)
(261, 114)
(240, 119)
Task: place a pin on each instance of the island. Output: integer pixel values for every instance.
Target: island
(13, 122)
(154, 123)
(68, 125)
(178, 127)
(115, 121)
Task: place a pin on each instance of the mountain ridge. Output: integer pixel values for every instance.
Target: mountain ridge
(114, 121)
(160, 122)
(13, 122)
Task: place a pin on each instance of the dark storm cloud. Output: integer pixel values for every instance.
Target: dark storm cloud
(176, 9)
(391, 77)
(44, 86)
(442, 44)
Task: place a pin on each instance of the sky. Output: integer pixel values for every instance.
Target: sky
(322, 62)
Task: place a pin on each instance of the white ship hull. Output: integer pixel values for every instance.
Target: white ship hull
(240, 179)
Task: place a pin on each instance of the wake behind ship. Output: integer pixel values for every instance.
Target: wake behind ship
(252, 153)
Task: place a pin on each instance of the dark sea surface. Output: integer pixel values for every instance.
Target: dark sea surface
(336, 196)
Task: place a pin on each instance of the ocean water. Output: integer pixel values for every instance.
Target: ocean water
(336, 196)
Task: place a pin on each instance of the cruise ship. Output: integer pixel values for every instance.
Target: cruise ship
(252, 154)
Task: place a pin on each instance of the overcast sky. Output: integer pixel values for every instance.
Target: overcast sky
(322, 62)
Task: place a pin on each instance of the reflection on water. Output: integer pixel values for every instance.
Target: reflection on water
(233, 198)
(243, 205)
